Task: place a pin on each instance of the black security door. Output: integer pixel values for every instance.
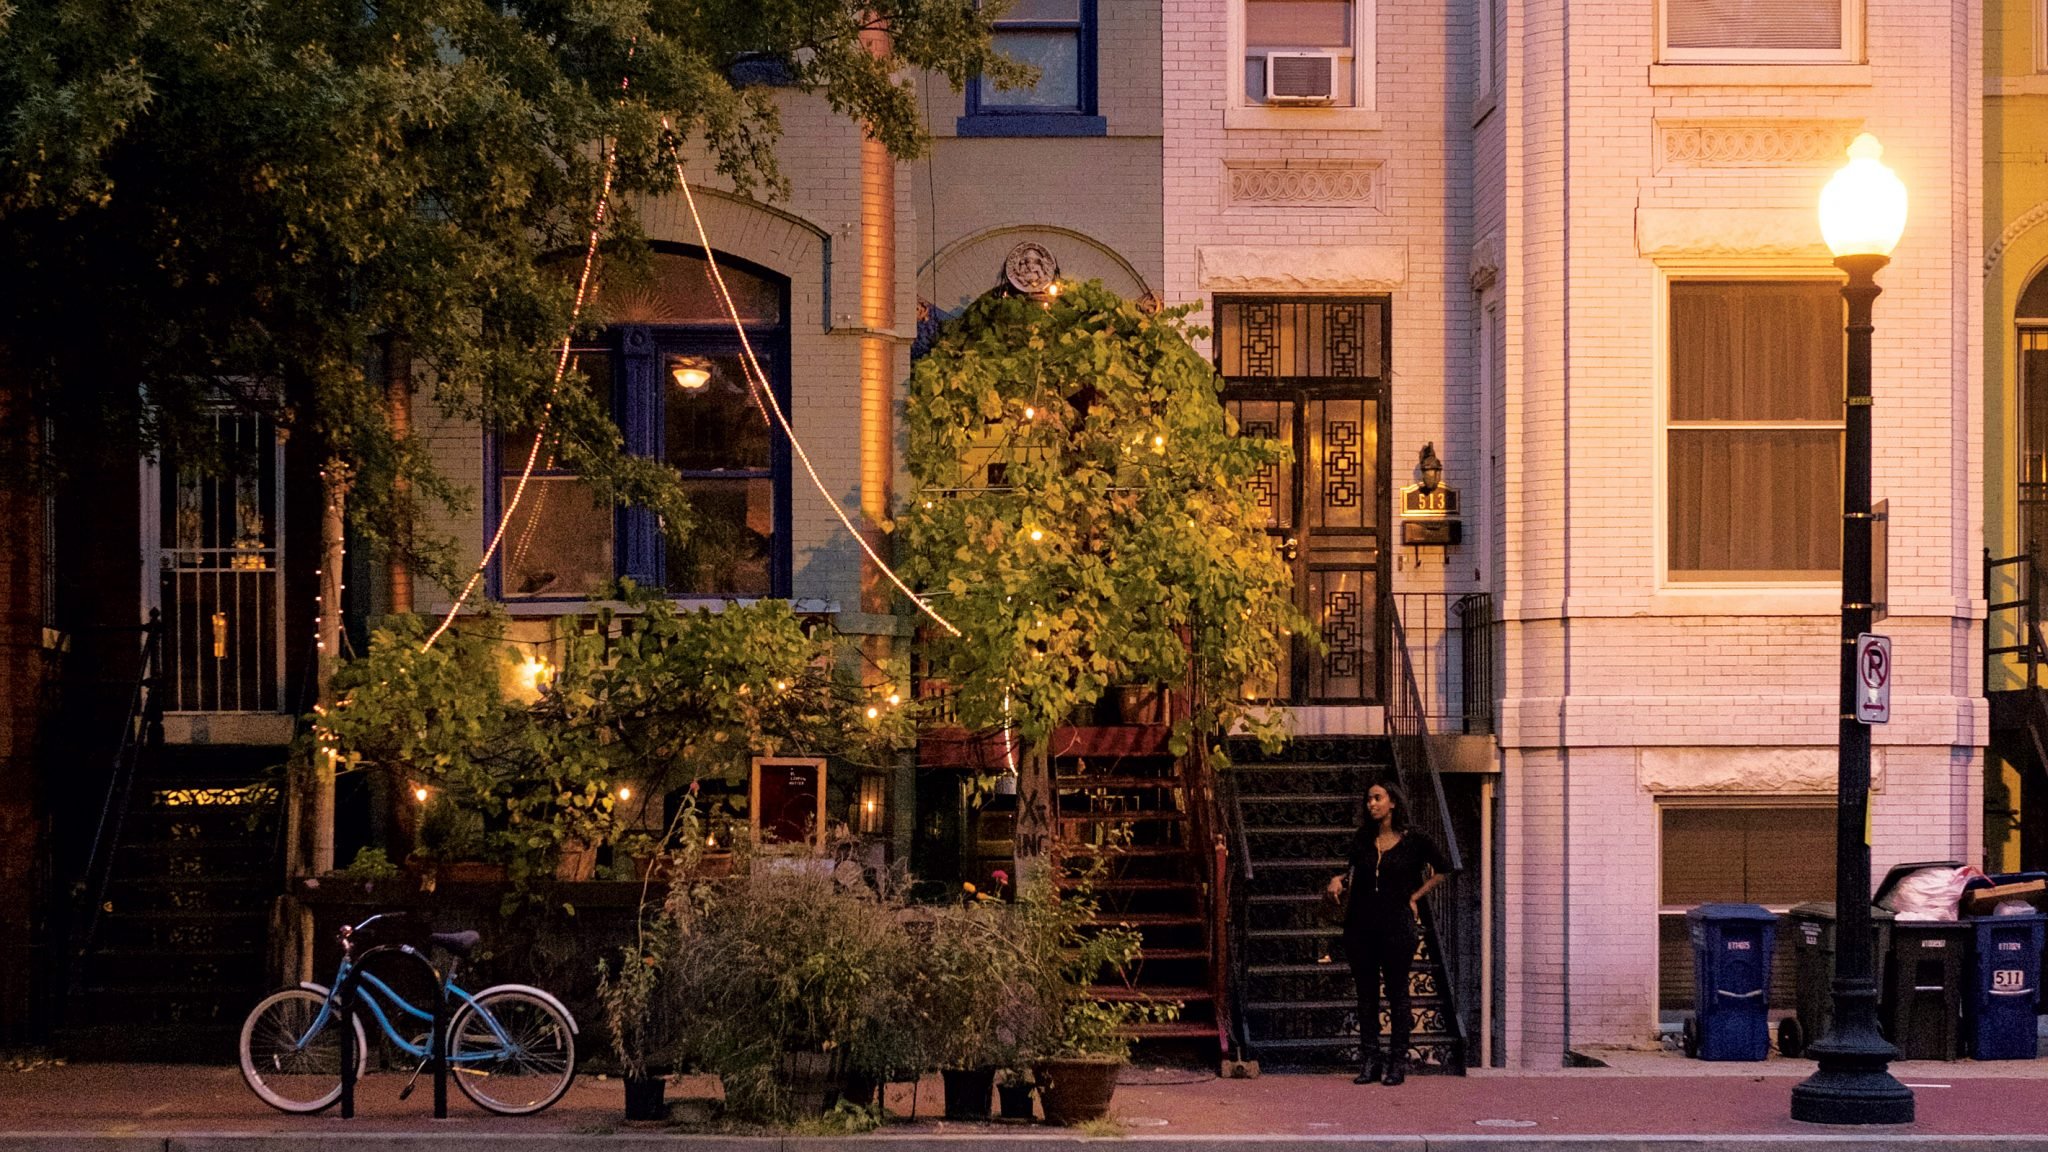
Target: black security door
(1311, 373)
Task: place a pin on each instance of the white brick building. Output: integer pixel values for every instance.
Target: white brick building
(1574, 211)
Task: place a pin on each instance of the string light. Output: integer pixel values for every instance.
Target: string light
(625, 793)
(420, 794)
(1030, 413)
(757, 380)
(1037, 535)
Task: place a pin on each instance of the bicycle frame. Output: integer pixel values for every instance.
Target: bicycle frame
(375, 991)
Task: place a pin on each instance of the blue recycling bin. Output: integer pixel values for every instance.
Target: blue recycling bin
(2007, 986)
(1731, 954)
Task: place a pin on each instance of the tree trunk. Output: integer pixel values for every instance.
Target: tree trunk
(334, 484)
(1034, 813)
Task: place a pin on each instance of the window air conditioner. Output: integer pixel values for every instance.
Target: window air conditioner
(1301, 77)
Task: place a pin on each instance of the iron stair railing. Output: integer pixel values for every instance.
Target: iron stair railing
(142, 729)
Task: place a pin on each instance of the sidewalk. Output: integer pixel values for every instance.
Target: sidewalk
(1643, 1100)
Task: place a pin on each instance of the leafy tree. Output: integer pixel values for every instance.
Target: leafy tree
(1085, 513)
(270, 200)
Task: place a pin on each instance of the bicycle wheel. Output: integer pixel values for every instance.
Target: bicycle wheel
(523, 1064)
(288, 1066)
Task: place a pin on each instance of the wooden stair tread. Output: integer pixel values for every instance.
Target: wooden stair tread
(1175, 1030)
(1130, 885)
(1173, 954)
(1131, 850)
(1086, 781)
(1120, 994)
(1109, 817)
(1144, 919)
(1296, 829)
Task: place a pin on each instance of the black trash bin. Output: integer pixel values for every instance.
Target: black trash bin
(1923, 993)
(1731, 956)
(1812, 926)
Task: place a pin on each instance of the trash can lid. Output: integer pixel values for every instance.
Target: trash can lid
(1732, 912)
(1901, 871)
(1825, 910)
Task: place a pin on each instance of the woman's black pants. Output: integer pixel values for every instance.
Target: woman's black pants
(1376, 953)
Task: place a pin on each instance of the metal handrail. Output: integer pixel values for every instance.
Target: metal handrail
(144, 723)
(2031, 648)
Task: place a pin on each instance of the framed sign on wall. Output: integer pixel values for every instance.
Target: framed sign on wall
(787, 799)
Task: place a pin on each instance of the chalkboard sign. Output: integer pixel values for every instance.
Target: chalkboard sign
(788, 799)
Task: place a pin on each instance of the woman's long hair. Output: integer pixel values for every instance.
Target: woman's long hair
(1399, 816)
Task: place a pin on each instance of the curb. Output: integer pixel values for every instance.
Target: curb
(1874, 1140)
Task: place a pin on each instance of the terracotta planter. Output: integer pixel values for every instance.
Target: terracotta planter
(577, 863)
(473, 872)
(1140, 703)
(1014, 1101)
(646, 1098)
(967, 1092)
(1077, 1090)
(712, 866)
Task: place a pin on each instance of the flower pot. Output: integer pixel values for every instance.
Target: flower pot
(1014, 1101)
(715, 865)
(577, 863)
(1076, 1090)
(646, 1098)
(473, 872)
(1140, 703)
(967, 1092)
(860, 1089)
(660, 867)
(811, 1081)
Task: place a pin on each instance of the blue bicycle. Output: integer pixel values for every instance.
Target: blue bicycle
(511, 1047)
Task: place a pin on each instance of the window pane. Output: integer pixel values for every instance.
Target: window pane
(558, 542)
(727, 554)
(589, 369)
(1753, 23)
(714, 427)
(1057, 56)
(1297, 23)
(1749, 504)
(676, 288)
(1756, 351)
(1284, 339)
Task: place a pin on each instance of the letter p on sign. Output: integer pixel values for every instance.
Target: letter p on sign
(1873, 678)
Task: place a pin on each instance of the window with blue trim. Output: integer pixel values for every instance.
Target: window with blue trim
(1057, 37)
(672, 369)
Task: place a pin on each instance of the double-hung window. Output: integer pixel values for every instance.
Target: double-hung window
(1753, 452)
(1285, 46)
(1760, 31)
(672, 371)
(1057, 37)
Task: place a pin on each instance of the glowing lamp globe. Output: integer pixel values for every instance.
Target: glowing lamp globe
(1863, 207)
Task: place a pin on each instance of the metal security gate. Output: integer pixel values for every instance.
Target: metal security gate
(221, 571)
(1309, 374)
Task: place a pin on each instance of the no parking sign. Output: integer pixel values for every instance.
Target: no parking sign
(1873, 678)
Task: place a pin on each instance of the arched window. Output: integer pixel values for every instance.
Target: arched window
(2031, 320)
(679, 394)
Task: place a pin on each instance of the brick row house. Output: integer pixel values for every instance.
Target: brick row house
(1535, 291)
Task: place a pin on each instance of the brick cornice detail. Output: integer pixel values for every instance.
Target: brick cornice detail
(1753, 143)
(1301, 183)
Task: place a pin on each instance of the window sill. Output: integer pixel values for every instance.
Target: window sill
(1759, 75)
(1031, 124)
(1748, 600)
(2016, 86)
(1302, 119)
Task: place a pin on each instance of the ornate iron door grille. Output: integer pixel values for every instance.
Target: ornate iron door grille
(1311, 372)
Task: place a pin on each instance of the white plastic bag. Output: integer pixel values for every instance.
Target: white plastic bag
(1930, 893)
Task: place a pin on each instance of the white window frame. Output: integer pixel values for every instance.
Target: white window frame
(1850, 51)
(1362, 114)
(1719, 596)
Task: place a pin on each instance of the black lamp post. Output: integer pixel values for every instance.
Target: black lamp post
(1863, 210)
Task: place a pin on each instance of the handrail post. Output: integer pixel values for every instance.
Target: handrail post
(345, 1000)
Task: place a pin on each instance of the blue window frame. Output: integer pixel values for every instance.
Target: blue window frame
(678, 394)
(1058, 38)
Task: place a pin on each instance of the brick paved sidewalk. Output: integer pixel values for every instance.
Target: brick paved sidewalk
(170, 1109)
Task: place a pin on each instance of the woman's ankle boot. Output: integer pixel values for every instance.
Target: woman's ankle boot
(1369, 1069)
(1397, 1071)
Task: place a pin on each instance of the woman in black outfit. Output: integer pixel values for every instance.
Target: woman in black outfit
(1392, 868)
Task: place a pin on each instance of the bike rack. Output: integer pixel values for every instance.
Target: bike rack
(437, 1037)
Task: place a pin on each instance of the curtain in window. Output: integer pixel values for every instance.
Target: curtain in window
(1755, 442)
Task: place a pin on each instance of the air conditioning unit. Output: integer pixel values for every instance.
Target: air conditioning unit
(1301, 77)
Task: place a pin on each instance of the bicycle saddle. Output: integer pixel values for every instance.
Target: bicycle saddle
(459, 943)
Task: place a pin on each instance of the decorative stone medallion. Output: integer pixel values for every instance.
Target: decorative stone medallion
(1031, 269)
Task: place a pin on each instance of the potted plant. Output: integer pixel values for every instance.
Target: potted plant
(1076, 1043)
(1013, 1093)
(637, 1012)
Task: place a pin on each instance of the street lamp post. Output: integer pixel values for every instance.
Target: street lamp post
(1862, 213)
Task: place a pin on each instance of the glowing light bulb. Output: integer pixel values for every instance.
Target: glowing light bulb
(420, 794)
(625, 793)
(895, 698)
(782, 685)
(1037, 535)
(1030, 413)
(873, 713)
(1159, 442)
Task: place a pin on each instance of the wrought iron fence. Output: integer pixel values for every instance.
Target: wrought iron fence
(1449, 642)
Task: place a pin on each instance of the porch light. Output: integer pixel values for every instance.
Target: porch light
(689, 372)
